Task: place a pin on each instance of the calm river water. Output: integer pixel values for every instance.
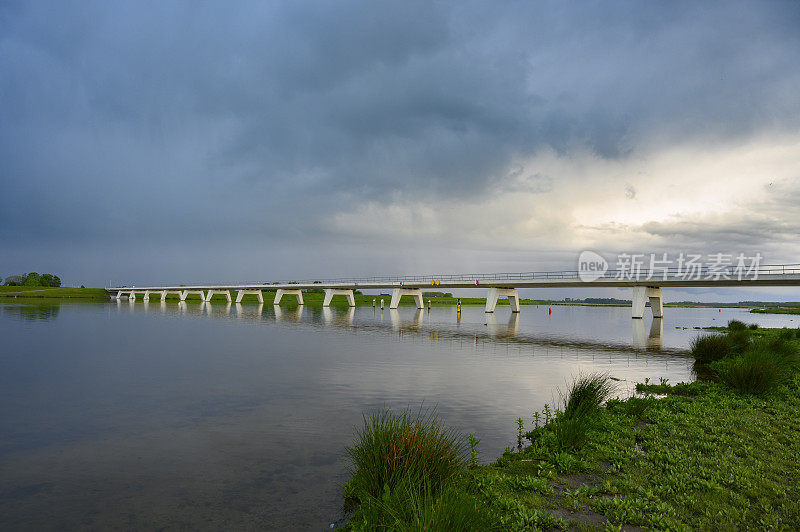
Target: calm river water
(143, 416)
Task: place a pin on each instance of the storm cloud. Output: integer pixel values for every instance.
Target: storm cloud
(166, 125)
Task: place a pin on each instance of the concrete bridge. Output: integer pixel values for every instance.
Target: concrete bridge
(644, 286)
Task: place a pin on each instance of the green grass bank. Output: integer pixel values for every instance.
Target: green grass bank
(776, 310)
(53, 293)
(719, 453)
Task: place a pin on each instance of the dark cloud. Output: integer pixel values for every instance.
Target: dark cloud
(168, 120)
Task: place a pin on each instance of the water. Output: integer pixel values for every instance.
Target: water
(139, 415)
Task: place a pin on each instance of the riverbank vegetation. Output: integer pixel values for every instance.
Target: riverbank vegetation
(776, 310)
(33, 279)
(717, 453)
(40, 292)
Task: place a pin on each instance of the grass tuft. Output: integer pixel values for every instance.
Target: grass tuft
(739, 341)
(736, 325)
(709, 348)
(586, 395)
(762, 368)
(410, 507)
(570, 433)
(410, 447)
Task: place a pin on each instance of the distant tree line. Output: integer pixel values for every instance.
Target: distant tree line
(33, 279)
(594, 301)
(605, 301)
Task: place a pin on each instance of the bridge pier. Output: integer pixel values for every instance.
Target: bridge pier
(510, 293)
(330, 292)
(165, 293)
(256, 293)
(284, 292)
(187, 292)
(397, 293)
(226, 293)
(640, 296)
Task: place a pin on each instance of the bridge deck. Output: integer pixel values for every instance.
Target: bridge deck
(780, 275)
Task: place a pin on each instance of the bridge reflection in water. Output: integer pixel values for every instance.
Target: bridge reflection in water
(653, 339)
(379, 321)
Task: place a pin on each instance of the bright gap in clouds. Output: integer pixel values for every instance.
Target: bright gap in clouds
(568, 203)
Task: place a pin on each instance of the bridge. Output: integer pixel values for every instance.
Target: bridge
(644, 285)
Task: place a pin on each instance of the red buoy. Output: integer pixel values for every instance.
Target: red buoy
(549, 311)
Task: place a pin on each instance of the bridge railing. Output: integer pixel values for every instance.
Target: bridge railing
(723, 272)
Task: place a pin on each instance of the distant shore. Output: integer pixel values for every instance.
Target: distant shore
(43, 292)
(776, 310)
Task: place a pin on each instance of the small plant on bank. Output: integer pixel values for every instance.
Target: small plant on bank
(634, 406)
(709, 348)
(408, 447)
(565, 430)
(473, 450)
(520, 430)
(753, 326)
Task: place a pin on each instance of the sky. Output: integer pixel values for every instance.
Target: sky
(179, 142)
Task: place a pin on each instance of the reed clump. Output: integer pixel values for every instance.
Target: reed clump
(759, 370)
(413, 507)
(406, 449)
(586, 395)
(747, 365)
(566, 428)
